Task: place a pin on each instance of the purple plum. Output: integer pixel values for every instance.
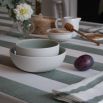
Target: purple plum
(84, 62)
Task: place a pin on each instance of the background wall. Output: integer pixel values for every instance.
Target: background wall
(91, 10)
(50, 8)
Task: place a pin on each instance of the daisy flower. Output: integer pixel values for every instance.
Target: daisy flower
(23, 12)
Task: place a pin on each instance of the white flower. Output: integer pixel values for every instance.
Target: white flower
(23, 12)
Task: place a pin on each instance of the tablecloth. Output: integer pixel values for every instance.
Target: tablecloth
(26, 87)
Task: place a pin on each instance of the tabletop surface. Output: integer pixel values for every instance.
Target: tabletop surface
(23, 87)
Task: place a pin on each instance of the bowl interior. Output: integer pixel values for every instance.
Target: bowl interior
(57, 30)
(37, 43)
(13, 51)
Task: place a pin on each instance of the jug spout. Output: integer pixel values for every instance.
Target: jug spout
(78, 20)
(75, 22)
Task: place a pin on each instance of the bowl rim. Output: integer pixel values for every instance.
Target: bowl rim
(48, 31)
(13, 52)
(27, 48)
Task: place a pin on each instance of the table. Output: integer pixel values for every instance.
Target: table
(17, 86)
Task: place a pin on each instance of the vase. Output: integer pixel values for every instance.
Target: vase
(23, 29)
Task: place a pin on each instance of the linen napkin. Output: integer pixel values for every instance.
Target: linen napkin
(89, 90)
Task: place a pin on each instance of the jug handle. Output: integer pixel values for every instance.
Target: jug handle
(56, 22)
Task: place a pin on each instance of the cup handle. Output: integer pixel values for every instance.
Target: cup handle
(56, 22)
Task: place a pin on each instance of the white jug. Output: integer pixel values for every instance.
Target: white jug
(74, 21)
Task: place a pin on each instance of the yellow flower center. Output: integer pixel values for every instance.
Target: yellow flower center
(23, 11)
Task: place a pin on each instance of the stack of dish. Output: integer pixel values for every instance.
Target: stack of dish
(37, 55)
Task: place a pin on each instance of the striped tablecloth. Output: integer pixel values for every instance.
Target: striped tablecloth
(23, 87)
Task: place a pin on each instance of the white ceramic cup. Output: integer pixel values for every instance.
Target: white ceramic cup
(37, 47)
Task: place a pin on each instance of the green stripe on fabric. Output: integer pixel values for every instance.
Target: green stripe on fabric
(20, 36)
(24, 92)
(6, 44)
(6, 24)
(79, 38)
(96, 99)
(4, 17)
(1, 12)
(88, 86)
(62, 76)
(82, 48)
(101, 41)
(96, 66)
